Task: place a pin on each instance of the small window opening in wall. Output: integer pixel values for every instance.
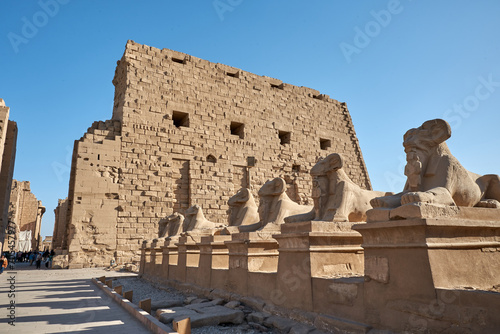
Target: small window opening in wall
(321, 97)
(238, 129)
(98, 157)
(211, 158)
(234, 74)
(180, 119)
(178, 60)
(280, 86)
(325, 143)
(296, 168)
(284, 137)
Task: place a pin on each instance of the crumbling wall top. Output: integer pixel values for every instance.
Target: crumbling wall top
(249, 79)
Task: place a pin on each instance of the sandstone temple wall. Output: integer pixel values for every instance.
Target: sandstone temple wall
(25, 212)
(8, 140)
(59, 234)
(92, 202)
(186, 131)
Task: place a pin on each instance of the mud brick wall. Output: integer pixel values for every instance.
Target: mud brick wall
(186, 131)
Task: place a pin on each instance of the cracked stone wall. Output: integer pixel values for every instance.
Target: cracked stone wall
(59, 234)
(8, 141)
(186, 131)
(92, 204)
(26, 211)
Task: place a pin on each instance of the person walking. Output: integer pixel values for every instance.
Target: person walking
(45, 255)
(49, 260)
(4, 263)
(32, 258)
(38, 260)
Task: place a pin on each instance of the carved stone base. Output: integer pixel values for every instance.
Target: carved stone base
(407, 260)
(315, 249)
(425, 210)
(250, 252)
(214, 254)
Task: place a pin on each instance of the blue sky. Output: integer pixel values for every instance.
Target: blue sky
(395, 63)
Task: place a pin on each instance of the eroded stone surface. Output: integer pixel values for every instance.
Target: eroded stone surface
(171, 226)
(187, 131)
(275, 205)
(435, 176)
(242, 209)
(201, 315)
(336, 197)
(25, 212)
(8, 141)
(196, 222)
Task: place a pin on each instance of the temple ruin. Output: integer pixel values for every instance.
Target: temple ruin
(186, 131)
(58, 236)
(8, 141)
(425, 260)
(25, 213)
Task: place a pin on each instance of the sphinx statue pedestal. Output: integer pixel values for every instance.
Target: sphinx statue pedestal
(155, 264)
(165, 258)
(420, 259)
(173, 258)
(314, 249)
(147, 258)
(250, 252)
(188, 258)
(144, 252)
(214, 261)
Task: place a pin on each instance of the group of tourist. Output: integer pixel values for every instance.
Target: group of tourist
(32, 257)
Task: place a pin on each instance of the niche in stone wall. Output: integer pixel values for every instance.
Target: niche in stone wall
(285, 137)
(233, 74)
(180, 118)
(237, 129)
(179, 60)
(325, 144)
(211, 158)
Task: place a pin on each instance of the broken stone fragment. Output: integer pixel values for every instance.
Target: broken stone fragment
(166, 303)
(201, 315)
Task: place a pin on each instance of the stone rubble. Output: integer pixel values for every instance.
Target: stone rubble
(214, 315)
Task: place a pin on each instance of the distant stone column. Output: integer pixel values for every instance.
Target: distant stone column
(38, 224)
(59, 234)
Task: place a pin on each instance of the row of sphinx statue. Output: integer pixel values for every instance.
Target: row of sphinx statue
(434, 176)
